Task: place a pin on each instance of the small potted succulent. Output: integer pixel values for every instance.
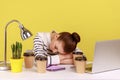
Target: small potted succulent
(16, 59)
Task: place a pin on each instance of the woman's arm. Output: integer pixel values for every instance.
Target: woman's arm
(39, 45)
(66, 59)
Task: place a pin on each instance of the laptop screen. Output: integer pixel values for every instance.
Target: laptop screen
(106, 56)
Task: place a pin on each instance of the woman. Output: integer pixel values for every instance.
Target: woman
(62, 44)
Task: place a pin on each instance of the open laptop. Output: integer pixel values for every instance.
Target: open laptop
(106, 57)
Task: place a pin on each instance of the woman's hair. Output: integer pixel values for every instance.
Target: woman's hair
(70, 40)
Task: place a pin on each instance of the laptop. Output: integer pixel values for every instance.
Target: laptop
(106, 57)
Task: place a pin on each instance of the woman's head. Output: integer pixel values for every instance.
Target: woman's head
(65, 42)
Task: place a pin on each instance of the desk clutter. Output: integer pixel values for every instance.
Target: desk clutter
(40, 63)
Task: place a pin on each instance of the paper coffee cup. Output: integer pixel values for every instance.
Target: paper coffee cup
(80, 64)
(28, 59)
(77, 54)
(41, 64)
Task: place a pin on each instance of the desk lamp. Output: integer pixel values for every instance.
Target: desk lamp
(24, 35)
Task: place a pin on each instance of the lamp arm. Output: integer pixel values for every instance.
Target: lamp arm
(12, 22)
(5, 38)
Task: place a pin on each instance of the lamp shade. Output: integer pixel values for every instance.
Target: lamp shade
(25, 33)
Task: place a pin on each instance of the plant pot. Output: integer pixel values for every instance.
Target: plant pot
(16, 65)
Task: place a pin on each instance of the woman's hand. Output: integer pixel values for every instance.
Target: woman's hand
(66, 58)
(66, 61)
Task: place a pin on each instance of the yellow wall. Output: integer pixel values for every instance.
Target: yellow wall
(94, 20)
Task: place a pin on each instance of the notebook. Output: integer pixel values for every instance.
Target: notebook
(106, 57)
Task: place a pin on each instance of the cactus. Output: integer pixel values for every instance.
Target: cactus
(16, 50)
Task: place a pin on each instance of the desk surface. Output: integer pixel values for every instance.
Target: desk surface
(67, 74)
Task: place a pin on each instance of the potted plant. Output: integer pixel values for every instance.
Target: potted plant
(16, 59)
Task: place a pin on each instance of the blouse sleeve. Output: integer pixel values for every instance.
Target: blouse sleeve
(39, 46)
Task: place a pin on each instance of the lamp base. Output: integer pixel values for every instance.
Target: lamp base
(4, 67)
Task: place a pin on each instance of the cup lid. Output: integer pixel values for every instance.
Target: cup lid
(28, 54)
(41, 58)
(83, 58)
(78, 53)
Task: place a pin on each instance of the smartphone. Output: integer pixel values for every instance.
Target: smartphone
(55, 68)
